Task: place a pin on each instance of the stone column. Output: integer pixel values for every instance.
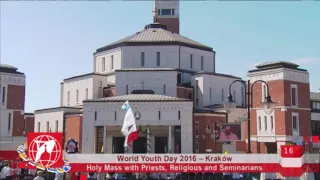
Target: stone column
(148, 142)
(101, 176)
(104, 139)
(170, 140)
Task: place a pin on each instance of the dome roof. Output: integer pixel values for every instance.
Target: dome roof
(8, 66)
(155, 34)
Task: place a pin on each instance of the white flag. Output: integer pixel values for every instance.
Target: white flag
(129, 122)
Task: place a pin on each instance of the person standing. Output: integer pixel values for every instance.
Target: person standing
(39, 176)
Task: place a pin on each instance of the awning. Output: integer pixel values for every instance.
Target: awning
(9, 155)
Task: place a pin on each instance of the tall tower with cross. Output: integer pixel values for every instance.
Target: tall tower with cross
(166, 12)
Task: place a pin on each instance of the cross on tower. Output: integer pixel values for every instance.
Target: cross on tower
(142, 84)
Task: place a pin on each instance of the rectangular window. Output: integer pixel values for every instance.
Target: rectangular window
(271, 123)
(295, 122)
(95, 115)
(202, 63)
(103, 64)
(159, 12)
(210, 91)
(179, 115)
(39, 126)
(142, 59)
(57, 126)
(68, 97)
(77, 95)
(259, 123)
(234, 96)
(196, 129)
(165, 12)
(242, 96)
(264, 93)
(158, 58)
(191, 61)
(164, 89)
(172, 12)
(265, 123)
(9, 121)
(47, 127)
(222, 95)
(115, 115)
(87, 93)
(159, 115)
(111, 62)
(294, 95)
(3, 94)
(99, 139)
(127, 89)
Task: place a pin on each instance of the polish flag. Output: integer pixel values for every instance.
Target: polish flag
(129, 127)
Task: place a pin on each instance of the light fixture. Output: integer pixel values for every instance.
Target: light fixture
(268, 105)
(229, 105)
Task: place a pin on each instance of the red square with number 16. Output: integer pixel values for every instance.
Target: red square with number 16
(289, 151)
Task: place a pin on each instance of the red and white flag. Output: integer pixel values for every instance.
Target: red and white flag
(129, 127)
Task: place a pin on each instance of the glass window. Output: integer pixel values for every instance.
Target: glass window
(172, 11)
(68, 97)
(191, 61)
(158, 58)
(57, 125)
(164, 89)
(99, 139)
(111, 59)
(165, 12)
(103, 64)
(259, 123)
(87, 92)
(293, 96)
(3, 94)
(202, 63)
(9, 121)
(77, 96)
(265, 123)
(295, 122)
(222, 95)
(210, 93)
(39, 126)
(271, 123)
(142, 58)
(47, 127)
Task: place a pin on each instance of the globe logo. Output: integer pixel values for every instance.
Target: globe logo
(44, 150)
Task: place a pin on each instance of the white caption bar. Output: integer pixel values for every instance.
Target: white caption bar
(174, 158)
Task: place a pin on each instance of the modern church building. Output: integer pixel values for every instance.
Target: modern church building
(172, 84)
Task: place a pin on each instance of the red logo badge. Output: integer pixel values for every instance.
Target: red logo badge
(45, 151)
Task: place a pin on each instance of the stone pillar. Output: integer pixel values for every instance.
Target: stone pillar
(148, 142)
(104, 139)
(170, 140)
(101, 176)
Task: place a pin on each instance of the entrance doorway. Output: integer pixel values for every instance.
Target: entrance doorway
(161, 145)
(117, 145)
(140, 145)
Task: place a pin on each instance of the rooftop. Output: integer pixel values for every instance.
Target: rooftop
(217, 74)
(155, 35)
(145, 69)
(276, 64)
(9, 69)
(138, 98)
(314, 96)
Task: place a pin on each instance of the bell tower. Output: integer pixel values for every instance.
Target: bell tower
(166, 12)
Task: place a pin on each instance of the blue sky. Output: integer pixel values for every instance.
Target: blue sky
(50, 41)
